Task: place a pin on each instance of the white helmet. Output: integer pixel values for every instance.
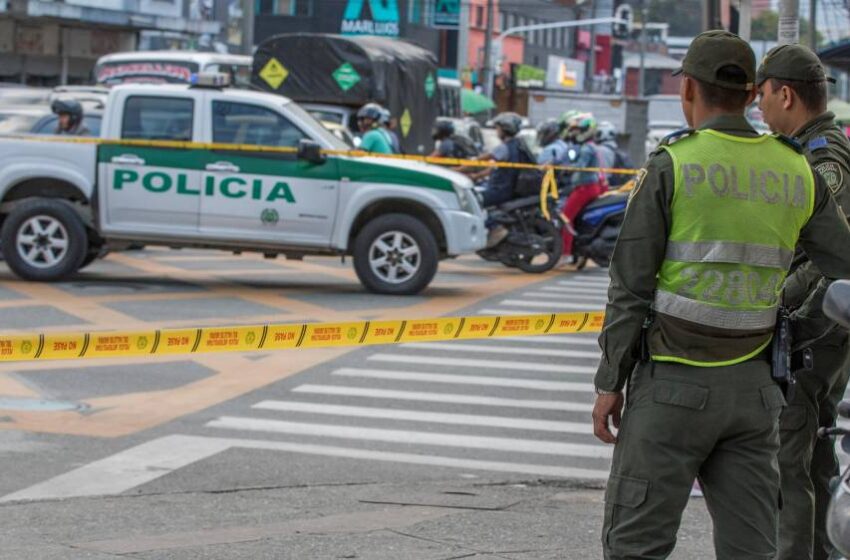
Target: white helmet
(606, 132)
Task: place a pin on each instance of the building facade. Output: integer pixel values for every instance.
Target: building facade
(47, 43)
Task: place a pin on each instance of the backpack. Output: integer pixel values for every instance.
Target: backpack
(464, 147)
(528, 181)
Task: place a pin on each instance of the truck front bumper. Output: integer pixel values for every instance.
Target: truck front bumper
(465, 233)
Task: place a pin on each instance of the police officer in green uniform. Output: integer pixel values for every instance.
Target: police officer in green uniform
(793, 93)
(705, 246)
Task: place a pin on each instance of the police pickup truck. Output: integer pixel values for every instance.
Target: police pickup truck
(65, 203)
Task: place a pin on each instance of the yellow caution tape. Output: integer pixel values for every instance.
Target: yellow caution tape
(174, 144)
(255, 338)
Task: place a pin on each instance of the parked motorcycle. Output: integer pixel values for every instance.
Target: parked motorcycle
(836, 305)
(533, 243)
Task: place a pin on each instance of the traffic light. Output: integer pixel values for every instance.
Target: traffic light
(622, 30)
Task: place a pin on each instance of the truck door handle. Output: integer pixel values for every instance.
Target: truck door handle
(128, 159)
(222, 166)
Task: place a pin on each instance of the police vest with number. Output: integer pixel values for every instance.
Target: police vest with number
(738, 207)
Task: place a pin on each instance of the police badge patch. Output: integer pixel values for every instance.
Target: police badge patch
(831, 173)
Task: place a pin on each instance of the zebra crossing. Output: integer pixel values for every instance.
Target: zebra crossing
(521, 405)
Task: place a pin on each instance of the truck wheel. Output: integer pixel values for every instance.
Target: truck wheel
(44, 240)
(395, 254)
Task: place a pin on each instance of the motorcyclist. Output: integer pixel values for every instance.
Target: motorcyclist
(586, 185)
(555, 150)
(450, 144)
(501, 182)
(374, 138)
(610, 154)
(388, 128)
(70, 114)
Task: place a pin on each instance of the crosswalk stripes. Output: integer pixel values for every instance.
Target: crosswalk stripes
(434, 397)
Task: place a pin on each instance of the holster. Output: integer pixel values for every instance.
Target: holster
(784, 363)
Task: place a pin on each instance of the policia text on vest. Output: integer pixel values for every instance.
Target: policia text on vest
(706, 243)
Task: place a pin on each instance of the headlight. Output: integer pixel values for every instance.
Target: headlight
(467, 200)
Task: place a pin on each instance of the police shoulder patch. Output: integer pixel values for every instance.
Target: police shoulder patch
(817, 143)
(638, 182)
(831, 173)
(674, 137)
(790, 142)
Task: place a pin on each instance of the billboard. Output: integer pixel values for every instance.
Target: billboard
(371, 17)
(565, 74)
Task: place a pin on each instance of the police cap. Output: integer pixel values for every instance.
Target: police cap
(795, 63)
(712, 50)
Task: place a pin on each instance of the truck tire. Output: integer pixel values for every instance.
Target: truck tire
(395, 254)
(44, 240)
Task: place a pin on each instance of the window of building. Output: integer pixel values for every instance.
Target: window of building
(241, 123)
(158, 118)
(284, 7)
(479, 16)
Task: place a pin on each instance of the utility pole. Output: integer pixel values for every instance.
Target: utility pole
(487, 71)
(710, 15)
(789, 22)
(248, 27)
(644, 16)
(463, 39)
(745, 19)
(813, 25)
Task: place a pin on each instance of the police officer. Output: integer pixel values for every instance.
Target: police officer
(707, 240)
(374, 138)
(793, 93)
(70, 114)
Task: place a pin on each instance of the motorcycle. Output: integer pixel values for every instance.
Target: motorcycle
(596, 229)
(836, 306)
(533, 243)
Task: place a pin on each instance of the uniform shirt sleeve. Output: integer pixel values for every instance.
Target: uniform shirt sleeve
(501, 152)
(637, 258)
(826, 235)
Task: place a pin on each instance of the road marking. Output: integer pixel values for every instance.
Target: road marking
(427, 416)
(88, 481)
(492, 311)
(577, 290)
(578, 280)
(462, 347)
(483, 364)
(394, 395)
(534, 384)
(125, 470)
(546, 304)
(566, 340)
(586, 299)
(407, 437)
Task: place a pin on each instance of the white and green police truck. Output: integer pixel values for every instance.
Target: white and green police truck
(64, 204)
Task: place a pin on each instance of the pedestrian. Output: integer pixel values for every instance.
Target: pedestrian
(793, 93)
(705, 245)
(388, 128)
(610, 154)
(374, 138)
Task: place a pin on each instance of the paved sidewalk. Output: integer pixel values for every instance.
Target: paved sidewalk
(429, 521)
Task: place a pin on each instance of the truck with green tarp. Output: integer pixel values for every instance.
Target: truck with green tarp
(333, 75)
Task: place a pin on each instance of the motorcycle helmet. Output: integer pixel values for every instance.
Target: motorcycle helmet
(371, 111)
(443, 128)
(606, 132)
(581, 127)
(547, 132)
(510, 123)
(385, 116)
(70, 107)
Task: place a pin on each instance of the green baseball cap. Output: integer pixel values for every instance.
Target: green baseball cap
(712, 50)
(794, 63)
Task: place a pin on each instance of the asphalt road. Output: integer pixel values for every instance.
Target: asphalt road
(432, 450)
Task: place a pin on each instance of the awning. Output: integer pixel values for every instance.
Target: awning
(471, 102)
(837, 56)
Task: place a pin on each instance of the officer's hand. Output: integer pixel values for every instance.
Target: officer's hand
(607, 405)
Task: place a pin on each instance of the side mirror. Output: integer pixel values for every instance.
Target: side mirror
(311, 151)
(836, 304)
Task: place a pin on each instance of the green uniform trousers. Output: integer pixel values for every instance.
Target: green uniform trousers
(720, 425)
(807, 464)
